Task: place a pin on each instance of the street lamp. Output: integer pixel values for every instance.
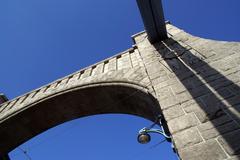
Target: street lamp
(144, 136)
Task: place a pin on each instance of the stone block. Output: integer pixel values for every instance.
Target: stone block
(150, 61)
(183, 97)
(98, 69)
(225, 93)
(186, 138)
(198, 91)
(168, 102)
(234, 112)
(233, 101)
(234, 158)
(204, 116)
(188, 103)
(192, 106)
(230, 142)
(178, 88)
(182, 123)
(177, 99)
(192, 58)
(233, 75)
(209, 150)
(217, 127)
(179, 48)
(111, 65)
(211, 108)
(158, 80)
(174, 31)
(87, 73)
(156, 74)
(173, 112)
(164, 81)
(182, 37)
(220, 82)
(176, 66)
(163, 93)
(234, 88)
(206, 71)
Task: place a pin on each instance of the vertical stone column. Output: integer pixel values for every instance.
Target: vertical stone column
(197, 84)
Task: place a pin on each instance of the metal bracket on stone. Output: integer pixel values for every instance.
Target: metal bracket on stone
(153, 19)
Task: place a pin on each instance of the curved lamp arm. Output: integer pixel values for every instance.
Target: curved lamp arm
(153, 130)
(143, 134)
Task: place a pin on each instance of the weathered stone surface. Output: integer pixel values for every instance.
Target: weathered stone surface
(233, 101)
(183, 97)
(182, 123)
(209, 150)
(234, 112)
(169, 102)
(207, 108)
(230, 142)
(202, 112)
(178, 88)
(234, 158)
(166, 82)
(186, 138)
(173, 112)
(217, 127)
(193, 82)
(163, 93)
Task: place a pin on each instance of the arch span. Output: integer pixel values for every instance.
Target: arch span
(74, 103)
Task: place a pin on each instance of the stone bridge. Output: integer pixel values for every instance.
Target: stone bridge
(193, 82)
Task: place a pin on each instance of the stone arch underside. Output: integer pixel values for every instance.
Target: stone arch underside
(119, 84)
(75, 103)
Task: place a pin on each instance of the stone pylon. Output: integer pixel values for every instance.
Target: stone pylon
(193, 82)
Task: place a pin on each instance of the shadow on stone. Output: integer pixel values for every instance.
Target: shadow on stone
(216, 99)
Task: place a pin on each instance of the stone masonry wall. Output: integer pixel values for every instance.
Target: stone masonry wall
(197, 84)
(124, 67)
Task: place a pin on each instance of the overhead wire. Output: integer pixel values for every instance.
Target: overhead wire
(140, 153)
(25, 153)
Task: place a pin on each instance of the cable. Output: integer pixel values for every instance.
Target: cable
(139, 153)
(155, 122)
(155, 145)
(25, 153)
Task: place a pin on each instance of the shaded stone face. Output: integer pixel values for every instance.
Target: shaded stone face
(76, 103)
(1, 101)
(3, 98)
(193, 82)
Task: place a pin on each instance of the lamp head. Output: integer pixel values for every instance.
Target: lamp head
(143, 138)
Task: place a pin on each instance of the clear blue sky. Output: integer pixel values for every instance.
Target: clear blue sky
(42, 40)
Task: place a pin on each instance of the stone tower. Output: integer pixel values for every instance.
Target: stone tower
(193, 82)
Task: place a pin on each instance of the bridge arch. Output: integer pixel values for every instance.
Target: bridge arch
(85, 100)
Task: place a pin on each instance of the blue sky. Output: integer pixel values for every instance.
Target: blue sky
(42, 40)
